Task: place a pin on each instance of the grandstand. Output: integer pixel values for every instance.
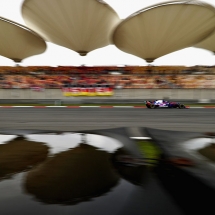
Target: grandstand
(128, 77)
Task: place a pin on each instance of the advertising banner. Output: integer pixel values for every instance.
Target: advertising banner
(88, 90)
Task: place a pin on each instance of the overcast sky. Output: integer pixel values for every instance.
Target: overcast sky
(110, 55)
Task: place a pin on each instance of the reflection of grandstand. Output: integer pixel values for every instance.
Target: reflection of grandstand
(122, 77)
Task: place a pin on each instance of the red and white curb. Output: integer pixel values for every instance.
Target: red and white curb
(90, 107)
(72, 106)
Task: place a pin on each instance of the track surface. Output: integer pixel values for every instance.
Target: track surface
(67, 119)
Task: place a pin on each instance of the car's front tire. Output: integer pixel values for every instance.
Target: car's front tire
(152, 106)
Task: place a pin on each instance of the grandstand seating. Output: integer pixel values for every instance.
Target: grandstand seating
(118, 77)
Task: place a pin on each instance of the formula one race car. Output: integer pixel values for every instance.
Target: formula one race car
(164, 104)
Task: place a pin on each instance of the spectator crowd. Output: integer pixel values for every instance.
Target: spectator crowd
(118, 77)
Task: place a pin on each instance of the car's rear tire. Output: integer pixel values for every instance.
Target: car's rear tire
(181, 106)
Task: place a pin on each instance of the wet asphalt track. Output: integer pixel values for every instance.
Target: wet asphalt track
(70, 119)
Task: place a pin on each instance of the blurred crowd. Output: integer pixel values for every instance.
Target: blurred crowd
(118, 78)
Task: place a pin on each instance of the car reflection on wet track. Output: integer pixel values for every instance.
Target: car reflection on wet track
(81, 179)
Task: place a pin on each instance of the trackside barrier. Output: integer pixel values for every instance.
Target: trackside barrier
(204, 101)
(202, 95)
